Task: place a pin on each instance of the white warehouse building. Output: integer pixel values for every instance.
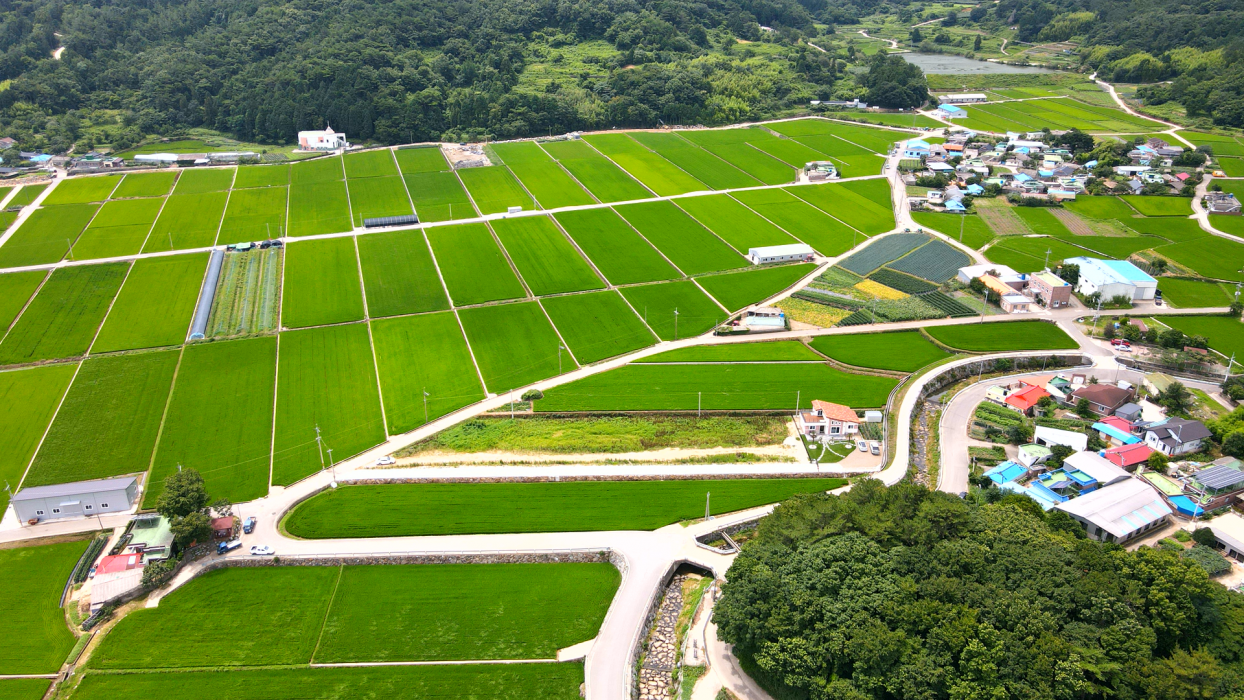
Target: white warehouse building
(75, 500)
(962, 98)
(780, 253)
(1112, 278)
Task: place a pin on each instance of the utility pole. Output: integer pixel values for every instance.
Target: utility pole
(560, 347)
(699, 399)
(1047, 259)
(798, 399)
(708, 495)
(961, 220)
(425, 405)
(511, 404)
(332, 467)
(675, 323)
(319, 442)
(69, 245)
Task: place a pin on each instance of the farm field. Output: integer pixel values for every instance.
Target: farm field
(199, 180)
(883, 251)
(1029, 254)
(422, 358)
(851, 208)
(26, 195)
(187, 221)
(421, 160)
(605, 180)
(657, 173)
(724, 387)
(473, 266)
(479, 682)
(109, 420)
(374, 163)
(976, 233)
(155, 184)
(697, 162)
(935, 261)
(261, 176)
(876, 191)
(317, 207)
(120, 228)
(28, 399)
(734, 223)
(1189, 293)
(1003, 337)
(24, 688)
(770, 351)
(439, 197)
(620, 254)
(220, 419)
(1210, 256)
(442, 509)
(544, 256)
(734, 149)
(1101, 208)
(1055, 113)
(375, 197)
(155, 305)
(46, 235)
(598, 325)
(687, 244)
(321, 283)
(62, 319)
(904, 351)
(494, 190)
(829, 236)
(789, 151)
(872, 139)
(398, 274)
(80, 190)
(31, 579)
(326, 169)
(656, 303)
(16, 288)
(254, 215)
(247, 296)
(514, 345)
(738, 289)
(1225, 334)
(1160, 206)
(541, 175)
(326, 378)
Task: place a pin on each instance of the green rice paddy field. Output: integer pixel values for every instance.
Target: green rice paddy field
(62, 319)
(145, 185)
(1225, 334)
(598, 325)
(544, 256)
(423, 357)
(1189, 293)
(620, 254)
(738, 289)
(16, 288)
(438, 196)
(733, 222)
(317, 207)
(829, 236)
(904, 351)
(444, 509)
(28, 400)
(687, 244)
(79, 190)
(473, 266)
(37, 639)
(321, 283)
(771, 351)
(697, 162)
(655, 172)
(605, 180)
(155, 305)
(187, 221)
(24, 688)
(514, 345)
(1003, 337)
(546, 180)
(46, 235)
(493, 189)
(399, 275)
(120, 228)
(656, 304)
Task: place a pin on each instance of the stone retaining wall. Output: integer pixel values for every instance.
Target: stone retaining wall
(656, 674)
(613, 477)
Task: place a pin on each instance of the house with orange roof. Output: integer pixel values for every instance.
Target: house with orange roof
(1025, 399)
(828, 420)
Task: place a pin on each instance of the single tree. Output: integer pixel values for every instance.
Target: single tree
(188, 529)
(976, 45)
(1233, 445)
(1157, 462)
(1175, 398)
(183, 494)
(1084, 409)
(1057, 454)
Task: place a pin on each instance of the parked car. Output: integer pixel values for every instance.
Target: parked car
(262, 550)
(385, 461)
(1117, 342)
(226, 547)
(875, 447)
(863, 445)
(248, 525)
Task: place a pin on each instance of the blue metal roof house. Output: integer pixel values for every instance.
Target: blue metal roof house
(916, 148)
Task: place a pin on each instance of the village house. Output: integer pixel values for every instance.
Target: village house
(1104, 399)
(1176, 436)
(830, 421)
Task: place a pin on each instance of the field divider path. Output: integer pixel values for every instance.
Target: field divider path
(371, 340)
(564, 169)
(328, 609)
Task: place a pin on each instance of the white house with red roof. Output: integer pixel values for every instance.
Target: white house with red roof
(828, 420)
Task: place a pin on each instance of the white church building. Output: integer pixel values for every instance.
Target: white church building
(325, 140)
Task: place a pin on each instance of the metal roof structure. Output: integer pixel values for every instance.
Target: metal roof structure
(1120, 509)
(1220, 477)
(75, 488)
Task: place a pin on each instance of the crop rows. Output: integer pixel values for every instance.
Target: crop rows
(949, 305)
(935, 261)
(901, 282)
(880, 252)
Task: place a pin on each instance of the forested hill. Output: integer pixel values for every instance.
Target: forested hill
(407, 69)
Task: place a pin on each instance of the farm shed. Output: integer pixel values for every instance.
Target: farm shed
(1119, 512)
(779, 253)
(1229, 531)
(1053, 436)
(960, 98)
(76, 499)
(1113, 278)
(204, 309)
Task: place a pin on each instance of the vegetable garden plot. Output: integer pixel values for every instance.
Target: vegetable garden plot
(187, 221)
(935, 261)
(901, 282)
(219, 420)
(80, 190)
(261, 176)
(318, 207)
(734, 223)
(903, 351)
(657, 173)
(738, 289)
(109, 421)
(546, 259)
(976, 233)
(398, 274)
(685, 242)
(62, 318)
(32, 579)
(473, 267)
(321, 283)
(326, 378)
(1160, 206)
(439, 197)
(735, 150)
(155, 305)
(514, 345)
(697, 162)
(882, 251)
(656, 304)
(605, 180)
(598, 325)
(1002, 219)
(28, 400)
(1004, 336)
(376, 197)
(374, 163)
(155, 184)
(494, 190)
(542, 176)
(199, 180)
(46, 235)
(120, 228)
(422, 359)
(247, 295)
(421, 160)
(325, 169)
(254, 215)
(621, 255)
(805, 222)
(16, 288)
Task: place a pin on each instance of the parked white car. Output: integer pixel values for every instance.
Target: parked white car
(262, 550)
(386, 461)
(862, 445)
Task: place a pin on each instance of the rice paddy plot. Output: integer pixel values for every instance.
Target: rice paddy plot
(656, 304)
(876, 190)
(242, 616)
(605, 180)
(1004, 336)
(598, 325)
(439, 197)
(46, 235)
(16, 288)
(882, 251)
(398, 274)
(760, 351)
(687, 244)
(81, 190)
(247, 294)
(321, 283)
(261, 176)
(28, 400)
(37, 639)
(479, 682)
(514, 345)
(120, 228)
(24, 688)
(541, 175)
(934, 261)
(734, 223)
(187, 221)
(544, 256)
(421, 160)
(318, 207)
(1211, 256)
(474, 268)
(697, 162)
(155, 305)
(1030, 254)
(849, 207)
(374, 163)
(109, 420)
(220, 420)
(805, 222)
(572, 506)
(1231, 167)
(27, 194)
(832, 146)
(620, 253)
(424, 362)
(655, 172)
(325, 169)
(1101, 208)
(376, 197)
(873, 139)
(493, 189)
(789, 151)
(1190, 293)
(910, 120)
(975, 232)
(1160, 206)
(326, 378)
(859, 166)
(254, 215)
(1117, 246)
(733, 149)
(155, 184)
(1225, 334)
(62, 319)
(199, 180)
(1227, 223)
(736, 290)
(904, 351)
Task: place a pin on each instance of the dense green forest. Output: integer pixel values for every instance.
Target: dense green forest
(907, 593)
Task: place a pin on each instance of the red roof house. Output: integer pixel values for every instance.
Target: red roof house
(827, 419)
(1182, 176)
(1024, 399)
(117, 563)
(222, 528)
(1128, 455)
(1117, 423)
